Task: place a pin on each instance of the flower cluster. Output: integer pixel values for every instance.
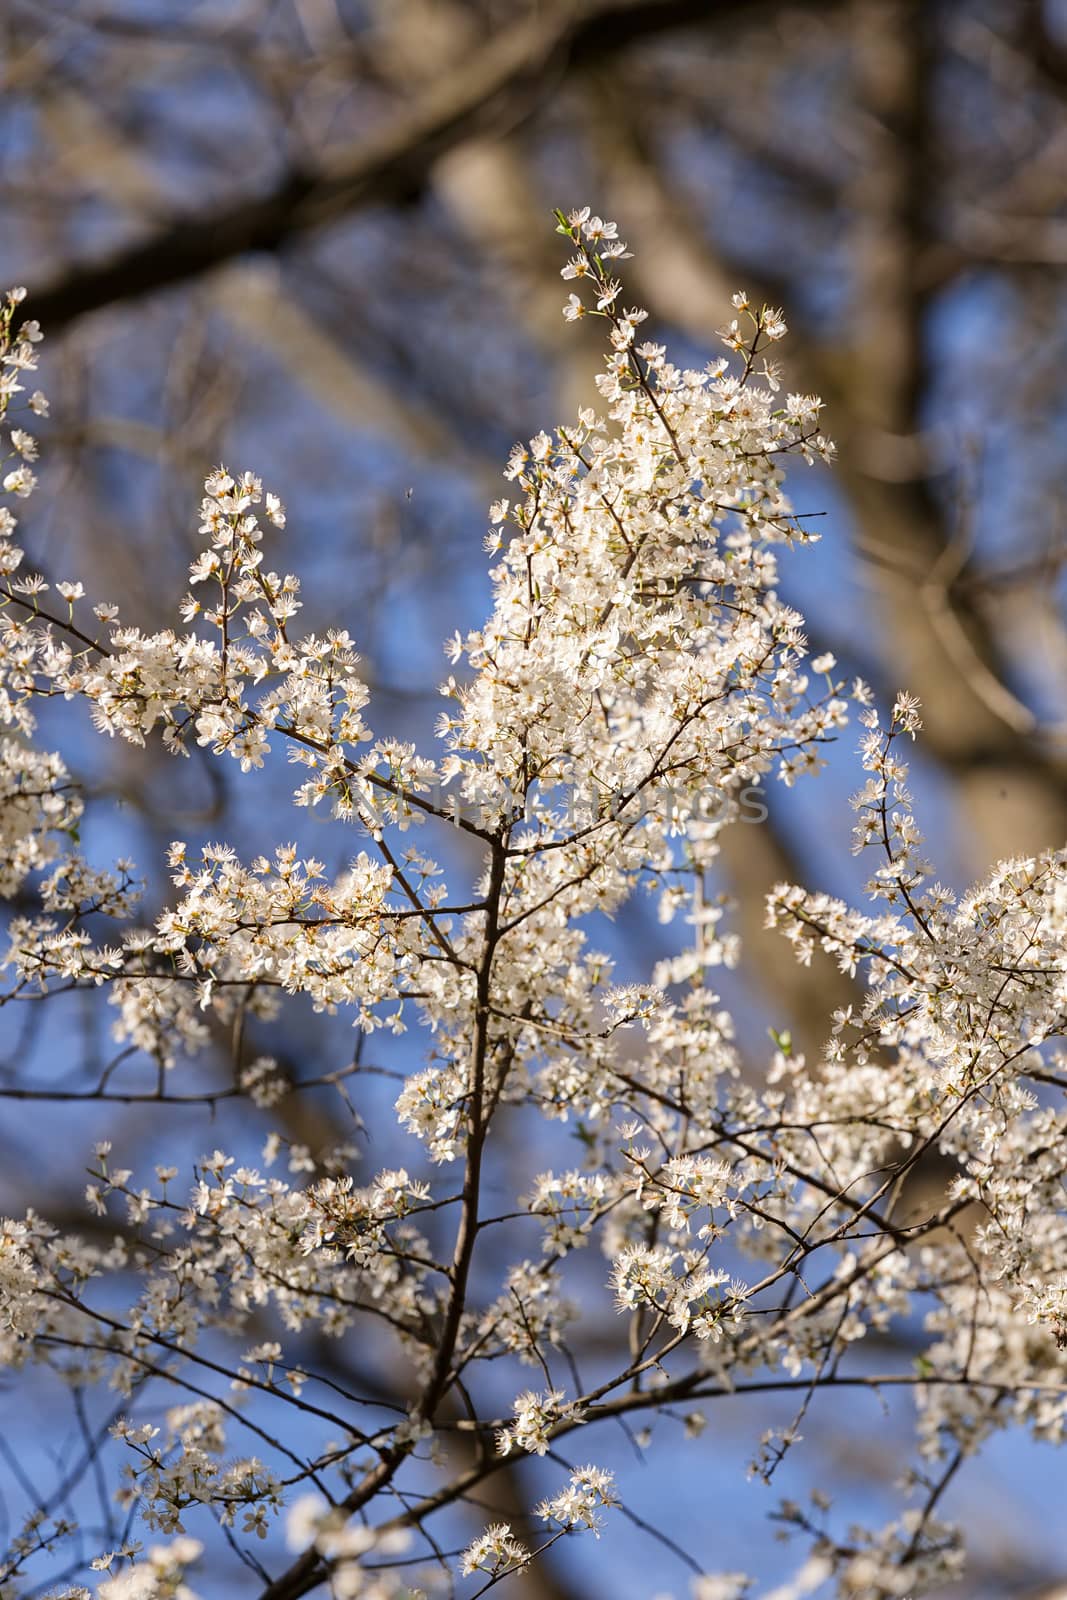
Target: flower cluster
(589, 1491)
(495, 1551)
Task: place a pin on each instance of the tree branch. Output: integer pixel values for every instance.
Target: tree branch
(507, 80)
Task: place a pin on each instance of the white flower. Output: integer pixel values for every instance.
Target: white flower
(21, 481)
(720, 1585)
(303, 1521)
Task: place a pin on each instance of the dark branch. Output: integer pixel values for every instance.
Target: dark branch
(506, 81)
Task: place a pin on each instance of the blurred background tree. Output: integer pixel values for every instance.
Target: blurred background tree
(312, 237)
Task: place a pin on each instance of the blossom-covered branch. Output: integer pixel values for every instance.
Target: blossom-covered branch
(638, 675)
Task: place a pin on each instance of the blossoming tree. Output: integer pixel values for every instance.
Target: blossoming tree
(638, 676)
